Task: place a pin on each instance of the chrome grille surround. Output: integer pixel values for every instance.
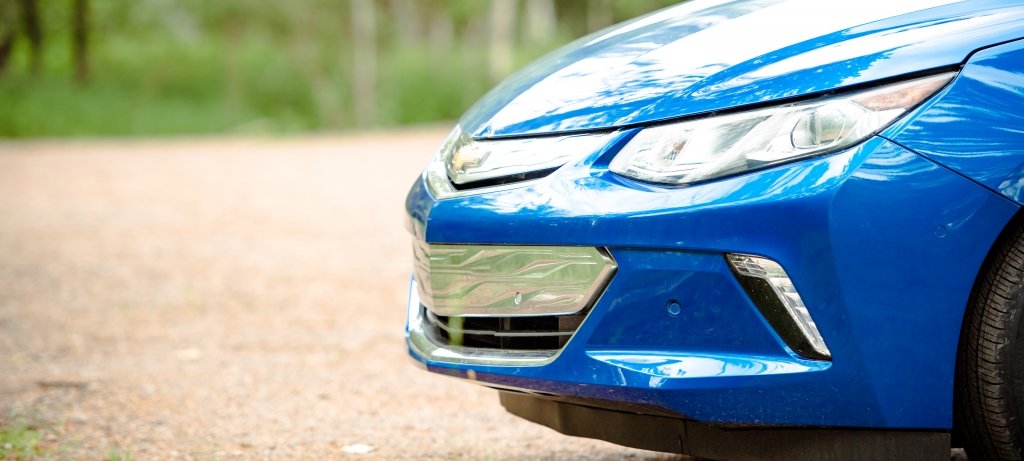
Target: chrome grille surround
(509, 281)
(500, 334)
(469, 161)
(431, 347)
(465, 166)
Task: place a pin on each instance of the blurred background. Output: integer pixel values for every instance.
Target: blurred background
(202, 244)
(161, 67)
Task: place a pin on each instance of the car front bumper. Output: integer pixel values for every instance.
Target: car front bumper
(882, 244)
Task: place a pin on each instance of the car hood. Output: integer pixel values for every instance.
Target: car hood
(710, 55)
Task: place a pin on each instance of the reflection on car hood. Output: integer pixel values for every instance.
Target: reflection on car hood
(710, 55)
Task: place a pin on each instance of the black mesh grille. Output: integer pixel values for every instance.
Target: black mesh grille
(543, 333)
(503, 180)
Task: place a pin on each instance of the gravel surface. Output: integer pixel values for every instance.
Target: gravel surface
(230, 298)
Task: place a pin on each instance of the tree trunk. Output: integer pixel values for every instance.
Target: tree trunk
(599, 14)
(8, 30)
(441, 36)
(34, 33)
(364, 60)
(80, 39)
(541, 22)
(324, 90)
(503, 20)
(407, 14)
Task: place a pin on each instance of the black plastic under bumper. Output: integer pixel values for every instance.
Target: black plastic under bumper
(674, 435)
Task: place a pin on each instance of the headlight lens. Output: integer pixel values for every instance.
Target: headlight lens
(699, 150)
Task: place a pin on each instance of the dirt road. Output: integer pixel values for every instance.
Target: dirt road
(229, 299)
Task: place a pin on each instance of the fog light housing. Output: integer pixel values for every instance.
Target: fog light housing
(775, 295)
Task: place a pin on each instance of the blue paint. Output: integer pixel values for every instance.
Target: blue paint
(883, 240)
(854, 230)
(704, 56)
(976, 126)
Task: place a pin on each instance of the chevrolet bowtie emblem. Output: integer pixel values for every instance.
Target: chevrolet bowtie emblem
(467, 157)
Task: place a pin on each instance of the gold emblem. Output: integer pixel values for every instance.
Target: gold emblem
(466, 157)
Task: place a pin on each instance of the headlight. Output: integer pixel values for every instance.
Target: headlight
(699, 150)
(464, 163)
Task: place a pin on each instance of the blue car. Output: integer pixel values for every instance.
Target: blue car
(744, 230)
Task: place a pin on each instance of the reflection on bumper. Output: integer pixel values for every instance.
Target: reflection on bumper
(509, 281)
(429, 348)
(855, 232)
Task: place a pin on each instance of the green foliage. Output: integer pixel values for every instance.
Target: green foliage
(118, 454)
(194, 66)
(19, 441)
(28, 436)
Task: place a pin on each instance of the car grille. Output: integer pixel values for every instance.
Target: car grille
(502, 304)
(541, 333)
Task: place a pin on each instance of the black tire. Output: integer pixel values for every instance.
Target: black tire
(989, 383)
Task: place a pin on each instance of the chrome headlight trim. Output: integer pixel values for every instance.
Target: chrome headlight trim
(713, 147)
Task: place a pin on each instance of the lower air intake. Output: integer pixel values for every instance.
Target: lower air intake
(502, 304)
(542, 333)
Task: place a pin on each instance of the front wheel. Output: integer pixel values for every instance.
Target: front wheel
(990, 371)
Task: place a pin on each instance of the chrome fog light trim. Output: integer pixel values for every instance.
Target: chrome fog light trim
(774, 293)
(509, 281)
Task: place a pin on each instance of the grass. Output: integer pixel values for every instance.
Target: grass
(21, 441)
(150, 85)
(156, 87)
(191, 66)
(33, 438)
(119, 454)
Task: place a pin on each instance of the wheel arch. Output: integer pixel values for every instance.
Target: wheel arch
(1010, 230)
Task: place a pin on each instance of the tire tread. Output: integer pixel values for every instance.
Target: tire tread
(986, 406)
